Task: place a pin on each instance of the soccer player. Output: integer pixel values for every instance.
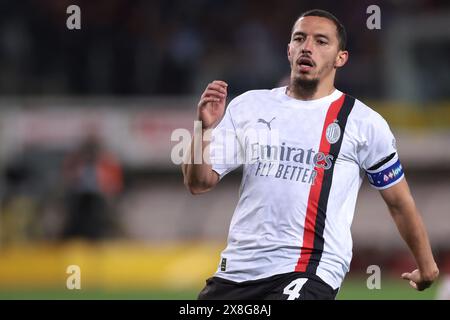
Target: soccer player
(305, 149)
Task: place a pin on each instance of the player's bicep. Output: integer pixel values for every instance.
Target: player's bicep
(397, 194)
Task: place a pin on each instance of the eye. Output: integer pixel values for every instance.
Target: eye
(298, 38)
(322, 42)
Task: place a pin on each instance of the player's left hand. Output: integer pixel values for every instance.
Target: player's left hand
(419, 281)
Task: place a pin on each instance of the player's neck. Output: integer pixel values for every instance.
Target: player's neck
(299, 92)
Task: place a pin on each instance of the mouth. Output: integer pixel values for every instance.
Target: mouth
(305, 64)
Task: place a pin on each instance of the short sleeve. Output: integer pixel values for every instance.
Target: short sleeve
(378, 155)
(225, 148)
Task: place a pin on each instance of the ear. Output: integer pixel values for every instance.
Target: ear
(341, 58)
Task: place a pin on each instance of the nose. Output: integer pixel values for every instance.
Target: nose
(307, 45)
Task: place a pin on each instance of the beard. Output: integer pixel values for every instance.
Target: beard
(308, 87)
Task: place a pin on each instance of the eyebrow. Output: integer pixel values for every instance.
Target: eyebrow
(317, 35)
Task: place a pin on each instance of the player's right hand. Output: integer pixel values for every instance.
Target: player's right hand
(418, 281)
(212, 104)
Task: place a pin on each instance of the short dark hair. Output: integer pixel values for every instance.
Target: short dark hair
(341, 33)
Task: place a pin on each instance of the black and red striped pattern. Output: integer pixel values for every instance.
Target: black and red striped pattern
(313, 241)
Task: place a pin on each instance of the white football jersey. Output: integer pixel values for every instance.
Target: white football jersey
(303, 164)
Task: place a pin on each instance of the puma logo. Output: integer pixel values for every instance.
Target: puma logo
(267, 123)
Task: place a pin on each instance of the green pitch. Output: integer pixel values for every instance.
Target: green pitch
(353, 289)
(393, 289)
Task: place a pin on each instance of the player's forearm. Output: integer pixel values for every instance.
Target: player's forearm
(197, 169)
(412, 230)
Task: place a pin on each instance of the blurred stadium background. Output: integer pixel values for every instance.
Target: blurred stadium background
(86, 118)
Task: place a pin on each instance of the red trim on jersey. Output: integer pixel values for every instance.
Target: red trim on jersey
(316, 188)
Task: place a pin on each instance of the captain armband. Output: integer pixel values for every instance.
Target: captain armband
(386, 177)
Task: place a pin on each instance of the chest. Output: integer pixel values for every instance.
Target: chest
(296, 131)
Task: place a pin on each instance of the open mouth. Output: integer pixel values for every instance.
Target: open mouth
(305, 64)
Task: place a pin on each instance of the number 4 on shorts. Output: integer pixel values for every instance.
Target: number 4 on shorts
(293, 288)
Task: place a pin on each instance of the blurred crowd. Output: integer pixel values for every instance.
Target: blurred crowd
(46, 195)
(175, 47)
